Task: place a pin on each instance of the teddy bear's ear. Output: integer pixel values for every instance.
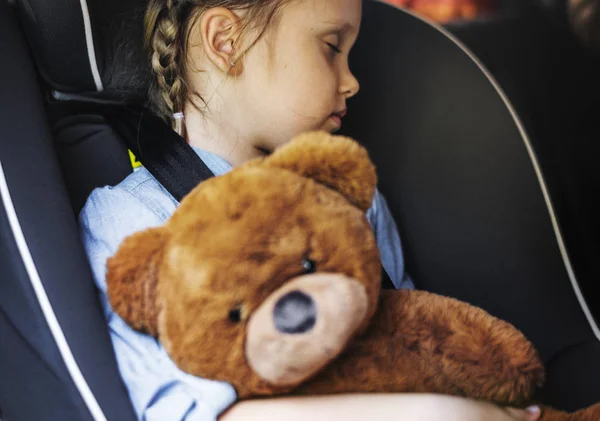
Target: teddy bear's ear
(338, 162)
(132, 276)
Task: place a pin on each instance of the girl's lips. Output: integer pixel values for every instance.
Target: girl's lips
(337, 117)
(337, 120)
(342, 113)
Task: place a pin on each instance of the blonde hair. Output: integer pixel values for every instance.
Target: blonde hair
(167, 27)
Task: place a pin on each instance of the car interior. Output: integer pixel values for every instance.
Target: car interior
(484, 133)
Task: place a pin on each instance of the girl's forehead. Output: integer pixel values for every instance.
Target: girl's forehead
(346, 13)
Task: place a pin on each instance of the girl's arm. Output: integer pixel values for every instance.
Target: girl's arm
(374, 408)
(157, 388)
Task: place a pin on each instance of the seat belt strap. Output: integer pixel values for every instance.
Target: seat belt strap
(165, 154)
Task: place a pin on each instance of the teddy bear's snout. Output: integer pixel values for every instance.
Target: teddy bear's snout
(295, 313)
(304, 325)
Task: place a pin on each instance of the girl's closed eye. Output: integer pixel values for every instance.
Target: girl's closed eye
(333, 45)
(334, 48)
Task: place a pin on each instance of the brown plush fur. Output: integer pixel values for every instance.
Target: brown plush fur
(435, 344)
(588, 414)
(134, 302)
(334, 161)
(224, 254)
(237, 241)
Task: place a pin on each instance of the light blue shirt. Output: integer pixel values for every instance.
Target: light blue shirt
(158, 390)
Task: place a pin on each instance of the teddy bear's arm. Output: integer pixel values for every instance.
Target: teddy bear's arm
(422, 342)
(131, 278)
(591, 413)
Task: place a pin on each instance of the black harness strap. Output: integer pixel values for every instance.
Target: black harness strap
(163, 152)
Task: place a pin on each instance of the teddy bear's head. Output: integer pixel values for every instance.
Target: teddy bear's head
(263, 275)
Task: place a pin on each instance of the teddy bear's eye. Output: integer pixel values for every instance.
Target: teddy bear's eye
(235, 315)
(309, 266)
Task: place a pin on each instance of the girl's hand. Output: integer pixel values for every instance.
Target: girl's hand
(530, 414)
(449, 408)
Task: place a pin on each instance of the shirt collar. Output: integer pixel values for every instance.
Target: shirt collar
(214, 162)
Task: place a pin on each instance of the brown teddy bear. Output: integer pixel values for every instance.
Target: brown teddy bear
(269, 278)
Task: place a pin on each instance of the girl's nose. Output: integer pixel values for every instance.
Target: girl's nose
(349, 86)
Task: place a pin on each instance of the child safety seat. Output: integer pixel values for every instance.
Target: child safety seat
(455, 164)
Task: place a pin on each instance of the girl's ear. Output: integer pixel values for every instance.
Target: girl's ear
(218, 32)
(132, 277)
(338, 162)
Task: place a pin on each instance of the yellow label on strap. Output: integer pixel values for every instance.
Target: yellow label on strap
(135, 164)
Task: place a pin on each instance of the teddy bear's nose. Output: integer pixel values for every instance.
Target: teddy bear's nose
(295, 313)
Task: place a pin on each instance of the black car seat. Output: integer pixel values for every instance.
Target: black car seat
(455, 163)
(463, 180)
(552, 81)
(56, 360)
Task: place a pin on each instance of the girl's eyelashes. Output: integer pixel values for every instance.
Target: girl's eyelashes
(334, 48)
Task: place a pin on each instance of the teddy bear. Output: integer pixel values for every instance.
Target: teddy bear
(269, 278)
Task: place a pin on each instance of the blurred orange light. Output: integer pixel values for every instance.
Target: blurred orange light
(445, 10)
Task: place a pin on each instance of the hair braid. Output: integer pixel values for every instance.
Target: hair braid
(165, 47)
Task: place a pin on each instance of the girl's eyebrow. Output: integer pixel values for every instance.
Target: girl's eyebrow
(339, 26)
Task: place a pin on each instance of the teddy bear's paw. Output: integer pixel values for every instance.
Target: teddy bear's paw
(497, 364)
(591, 413)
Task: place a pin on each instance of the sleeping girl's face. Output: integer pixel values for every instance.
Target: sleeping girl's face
(297, 77)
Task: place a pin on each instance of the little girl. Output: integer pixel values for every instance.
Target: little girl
(237, 79)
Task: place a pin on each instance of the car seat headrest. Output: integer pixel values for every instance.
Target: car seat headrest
(88, 47)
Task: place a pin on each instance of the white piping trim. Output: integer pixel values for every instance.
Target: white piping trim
(535, 163)
(45, 305)
(89, 39)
